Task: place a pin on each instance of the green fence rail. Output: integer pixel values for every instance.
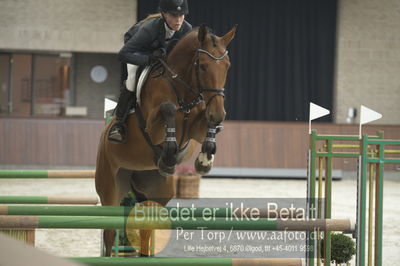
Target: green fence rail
(48, 200)
(107, 261)
(150, 223)
(178, 211)
(39, 174)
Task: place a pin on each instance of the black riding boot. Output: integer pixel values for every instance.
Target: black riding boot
(119, 130)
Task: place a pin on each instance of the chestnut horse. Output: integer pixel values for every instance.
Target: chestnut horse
(183, 102)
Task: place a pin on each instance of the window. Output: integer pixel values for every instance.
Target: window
(20, 85)
(33, 84)
(4, 83)
(51, 84)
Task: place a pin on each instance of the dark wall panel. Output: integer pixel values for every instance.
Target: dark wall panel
(282, 56)
(74, 142)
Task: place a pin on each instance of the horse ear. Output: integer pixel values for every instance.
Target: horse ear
(202, 33)
(227, 38)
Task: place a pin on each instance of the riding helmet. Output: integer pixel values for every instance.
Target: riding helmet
(174, 7)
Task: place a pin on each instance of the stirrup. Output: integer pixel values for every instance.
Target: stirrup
(117, 133)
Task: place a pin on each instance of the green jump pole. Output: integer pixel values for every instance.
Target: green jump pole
(24, 200)
(47, 174)
(153, 261)
(111, 211)
(23, 174)
(65, 210)
(150, 223)
(136, 211)
(119, 261)
(47, 200)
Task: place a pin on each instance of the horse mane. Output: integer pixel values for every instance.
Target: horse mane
(183, 41)
(186, 40)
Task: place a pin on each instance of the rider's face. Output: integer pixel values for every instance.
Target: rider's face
(174, 21)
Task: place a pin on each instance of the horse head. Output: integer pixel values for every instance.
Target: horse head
(205, 68)
(212, 66)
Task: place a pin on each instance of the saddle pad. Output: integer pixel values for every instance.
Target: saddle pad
(141, 81)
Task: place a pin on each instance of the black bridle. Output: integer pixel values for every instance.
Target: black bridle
(184, 106)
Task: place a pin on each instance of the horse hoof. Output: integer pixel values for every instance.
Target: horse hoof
(202, 169)
(164, 169)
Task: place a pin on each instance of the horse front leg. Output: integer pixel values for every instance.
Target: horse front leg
(205, 160)
(168, 159)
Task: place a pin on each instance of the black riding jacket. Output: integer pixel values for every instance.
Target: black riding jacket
(144, 38)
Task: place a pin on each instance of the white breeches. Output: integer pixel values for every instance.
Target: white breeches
(130, 81)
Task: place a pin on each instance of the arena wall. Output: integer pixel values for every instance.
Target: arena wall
(58, 25)
(74, 142)
(368, 58)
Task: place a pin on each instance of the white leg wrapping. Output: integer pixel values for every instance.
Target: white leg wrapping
(203, 160)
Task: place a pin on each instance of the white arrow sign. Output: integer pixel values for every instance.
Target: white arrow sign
(367, 115)
(316, 111)
(109, 105)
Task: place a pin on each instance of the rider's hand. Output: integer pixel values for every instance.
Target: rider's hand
(157, 54)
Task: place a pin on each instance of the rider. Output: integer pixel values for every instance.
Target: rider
(145, 42)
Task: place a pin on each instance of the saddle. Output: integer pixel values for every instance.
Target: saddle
(143, 75)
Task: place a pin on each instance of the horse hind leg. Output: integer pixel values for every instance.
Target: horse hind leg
(106, 189)
(109, 234)
(167, 161)
(146, 237)
(155, 191)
